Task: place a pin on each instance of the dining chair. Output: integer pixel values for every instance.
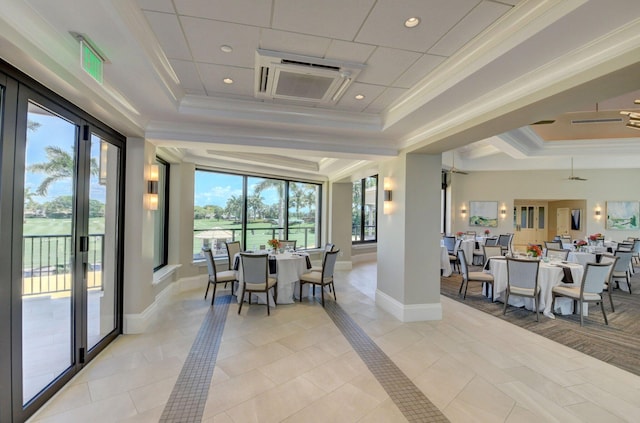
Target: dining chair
(467, 276)
(324, 278)
(327, 247)
(453, 256)
(636, 251)
(255, 278)
(216, 277)
(490, 251)
(556, 254)
(233, 248)
(504, 241)
(556, 245)
(621, 268)
(449, 242)
(288, 244)
(491, 241)
(522, 280)
(590, 290)
(609, 259)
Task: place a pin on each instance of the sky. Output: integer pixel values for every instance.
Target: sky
(212, 188)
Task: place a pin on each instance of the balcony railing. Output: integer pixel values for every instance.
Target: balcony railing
(47, 263)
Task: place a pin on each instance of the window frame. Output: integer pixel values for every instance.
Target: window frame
(165, 209)
(362, 211)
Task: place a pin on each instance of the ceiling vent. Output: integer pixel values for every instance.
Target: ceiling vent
(596, 120)
(302, 78)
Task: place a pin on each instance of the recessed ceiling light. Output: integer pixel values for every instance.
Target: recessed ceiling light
(359, 96)
(412, 22)
(226, 48)
(228, 81)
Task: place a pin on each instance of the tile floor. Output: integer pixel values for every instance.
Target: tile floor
(296, 366)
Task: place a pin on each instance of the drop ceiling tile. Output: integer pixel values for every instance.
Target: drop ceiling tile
(206, 36)
(386, 64)
(188, 75)
(212, 76)
(418, 70)
(385, 100)
(469, 27)
(250, 12)
(328, 18)
(385, 24)
(349, 52)
(157, 5)
(289, 42)
(348, 101)
(169, 35)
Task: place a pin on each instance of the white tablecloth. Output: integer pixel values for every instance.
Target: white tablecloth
(289, 269)
(549, 276)
(445, 264)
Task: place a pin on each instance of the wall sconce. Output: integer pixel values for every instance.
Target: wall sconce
(152, 187)
(503, 212)
(387, 196)
(598, 214)
(463, 211)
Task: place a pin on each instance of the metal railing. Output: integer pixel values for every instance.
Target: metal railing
(47, 266)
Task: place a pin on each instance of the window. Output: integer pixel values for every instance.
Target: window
(252, 210)
(365, 210)
(161, 217)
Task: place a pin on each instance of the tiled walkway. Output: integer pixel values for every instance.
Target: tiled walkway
(297, 366)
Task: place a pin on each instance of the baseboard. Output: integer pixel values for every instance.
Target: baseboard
(138, 323)
(364, 257)
(408, 312)
(343, 265)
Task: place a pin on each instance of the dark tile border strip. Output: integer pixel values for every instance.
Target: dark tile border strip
(187, 400)
(415, 406)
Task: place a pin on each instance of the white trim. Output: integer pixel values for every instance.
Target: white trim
(364, 257)
(343, 265)
(165, 272)
(138, 323)
(408, 312)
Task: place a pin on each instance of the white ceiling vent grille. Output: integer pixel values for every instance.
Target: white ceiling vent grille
(302, 78)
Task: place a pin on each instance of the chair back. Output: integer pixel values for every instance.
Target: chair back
(233, 248)
(329, 264)
(211, 264)
(449, 242)
(624, 260)
(625, 246)
(557, 254)
(457, 245)
(636, 246)
(565, 238)
(491, 241)
(523, 273)
(503, 240)
(255, 268)
(595, 276)
(556, 245)
(329, 246)
(464, 270)
(288, 243)
(491, 251)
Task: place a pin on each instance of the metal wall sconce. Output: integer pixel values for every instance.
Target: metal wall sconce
(152, 187)
(503, 213)
(388, 206)
(463, 211)
(598, 214)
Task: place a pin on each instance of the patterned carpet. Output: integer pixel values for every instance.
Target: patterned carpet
(617, 344)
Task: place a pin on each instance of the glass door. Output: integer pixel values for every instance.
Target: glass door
(530, 225)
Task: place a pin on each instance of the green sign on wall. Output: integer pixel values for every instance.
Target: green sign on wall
(91, 61)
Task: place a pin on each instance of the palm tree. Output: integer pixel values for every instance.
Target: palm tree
(59, 166)
(279, 186)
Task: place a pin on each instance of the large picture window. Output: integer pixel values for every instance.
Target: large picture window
(252, 210)
(364, 216)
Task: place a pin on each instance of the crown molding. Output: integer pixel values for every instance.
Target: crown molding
(272, 159)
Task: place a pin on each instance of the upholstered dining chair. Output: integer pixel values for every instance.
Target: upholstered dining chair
(233, 248)
(504, 240)
(491, 241)
(327, 247)
(255, 278)
(467, 276)
(324, 278)
(288, 244)
(609, 259)
(490, 251)
(621, 270)
(590, 290)
(215, 277)
(522, 280)
(453, 256)
(556, 254)
(556, 245)
(449, 242)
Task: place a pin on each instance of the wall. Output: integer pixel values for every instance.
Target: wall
(504, 187)
(339, 209)
(571, 205)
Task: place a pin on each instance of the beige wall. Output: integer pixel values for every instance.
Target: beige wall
(551, 185)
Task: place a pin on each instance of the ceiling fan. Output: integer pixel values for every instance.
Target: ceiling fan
(574, 178)
(453, 169)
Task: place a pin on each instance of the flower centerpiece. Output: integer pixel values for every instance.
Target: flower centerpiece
(534, 250)
(580, 244)
(487, 232)
(594, 238)
(459, 234)
(274, 243)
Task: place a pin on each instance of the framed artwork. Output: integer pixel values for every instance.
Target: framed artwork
(483, 213)
(623, 215)
(575, 219)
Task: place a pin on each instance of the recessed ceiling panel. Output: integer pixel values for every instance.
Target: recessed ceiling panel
(370, 93)
(250, 12)
(188, 75)
(385, 65)
(418, 70)
(157, 5)
(288, 42)
(213, 75)
(169, 34)
(351, 52)
(385, 100)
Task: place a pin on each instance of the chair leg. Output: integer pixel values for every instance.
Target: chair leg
(506, 301)
(275, 294)
(461, 285)
(629, 283)
(301, 283)
(334, 291)
(266, 293)
(553, 302)
(207, 291)
(314, 290)
(581, 315)
(466, 286)
(321, 293)
(613, 310)
(241, 300)
(213, 296)
(606, 322)
(535, 304)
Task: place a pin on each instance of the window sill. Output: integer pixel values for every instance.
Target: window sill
(365, 246)
(165, 272)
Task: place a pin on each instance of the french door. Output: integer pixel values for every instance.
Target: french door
(65, 246)
(529, 223)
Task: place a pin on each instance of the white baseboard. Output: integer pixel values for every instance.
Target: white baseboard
(343, 265)
(364, 257)
(408, 312)
(138, 323)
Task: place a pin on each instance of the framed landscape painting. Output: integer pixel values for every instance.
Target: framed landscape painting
(483, 213)
(623, 215)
